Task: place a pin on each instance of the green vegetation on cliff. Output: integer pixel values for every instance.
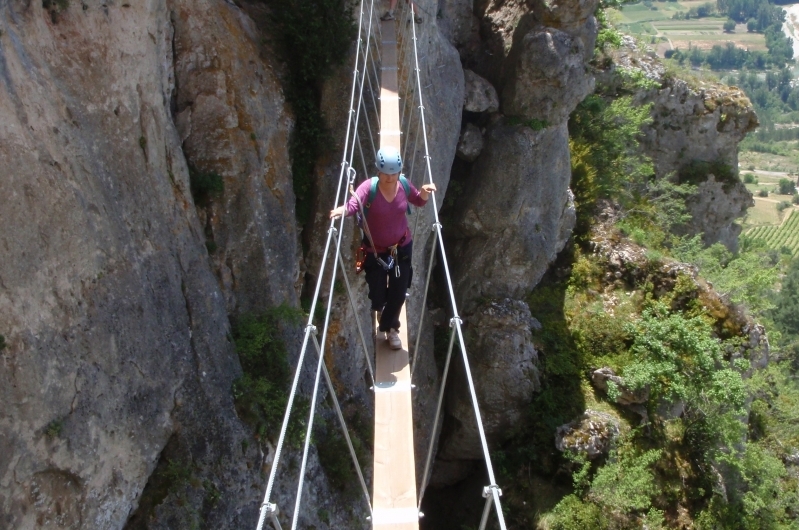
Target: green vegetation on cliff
(313, 39)
(261, 392)
(707, 409)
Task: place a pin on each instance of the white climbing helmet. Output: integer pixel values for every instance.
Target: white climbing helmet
(389, 160)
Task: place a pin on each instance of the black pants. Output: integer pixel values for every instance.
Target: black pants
(386, 289)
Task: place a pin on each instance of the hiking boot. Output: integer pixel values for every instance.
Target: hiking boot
(388, 16)
(394, 341)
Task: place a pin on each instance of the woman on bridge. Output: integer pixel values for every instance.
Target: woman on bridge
(385, 210)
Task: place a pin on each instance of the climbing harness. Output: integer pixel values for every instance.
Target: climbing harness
(360, 259)
(386, 265)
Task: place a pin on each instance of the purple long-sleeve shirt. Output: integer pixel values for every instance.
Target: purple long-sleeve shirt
(387, 220)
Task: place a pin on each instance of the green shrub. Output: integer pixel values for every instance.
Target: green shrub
(795, 199)
(786, 310)
(54, 428)
(783, 205)
(626, 482)
(313, 38)
(698, 171)
(677, 357)
(533, 123)
(204, 185)
(608, 36)
(606, 161)
(571, 513)
(260, 393)
(749, 179)
(762, 192)
(760, 502)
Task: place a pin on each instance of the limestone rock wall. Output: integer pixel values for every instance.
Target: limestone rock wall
(119, 364)
(514, 211)
(703, 124)
(694, 123)
(232, 119)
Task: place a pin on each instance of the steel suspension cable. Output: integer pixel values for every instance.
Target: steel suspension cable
(343, 424)
(357, 320)
(267, 508)
(429, 460)
(494, 489)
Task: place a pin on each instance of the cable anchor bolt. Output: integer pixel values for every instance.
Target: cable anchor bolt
(312, 329)
(456, 320)
(333, 230)
(487, 491)
(271, 508)
(436, 226)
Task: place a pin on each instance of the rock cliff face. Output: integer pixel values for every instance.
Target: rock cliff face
(703, 124)
(695, 124)
(515, 211)
(119, 361)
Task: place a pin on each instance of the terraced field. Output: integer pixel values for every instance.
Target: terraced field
(654, 22)
(784, 235)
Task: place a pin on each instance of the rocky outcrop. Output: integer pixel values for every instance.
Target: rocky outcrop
(502, 353)
(480, 95)
(516, 214)
(715, 208)
(115, 324)
(694, 136)
(232, 120)
(470, 144)
(623, 395)
(613, 386)
(547, 78)
(703, 124)
(592, 434)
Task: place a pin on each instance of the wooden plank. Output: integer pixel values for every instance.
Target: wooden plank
(394, 485)
(394, 467)
(389, 93)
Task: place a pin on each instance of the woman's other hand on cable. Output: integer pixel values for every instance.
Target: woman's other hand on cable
(336, 213)
(426, 190)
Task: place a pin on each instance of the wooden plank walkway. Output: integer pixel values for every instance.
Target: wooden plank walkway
(394, 496)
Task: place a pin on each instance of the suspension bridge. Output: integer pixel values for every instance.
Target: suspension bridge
(386, 63)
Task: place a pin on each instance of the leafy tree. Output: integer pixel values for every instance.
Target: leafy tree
(606, 159)
(786, 310)
(677, 357)
(787, 187)
(729, 26)
(626, 483)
